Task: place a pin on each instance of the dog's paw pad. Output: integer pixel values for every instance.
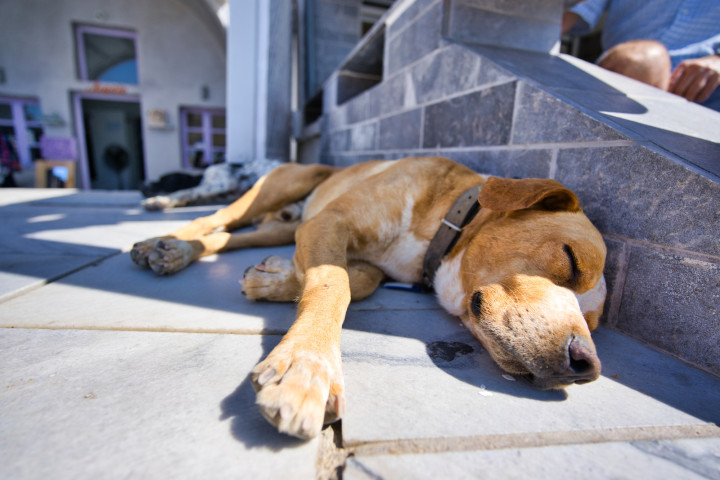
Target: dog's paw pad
(273, 279)
(299, 392)
(170, 256)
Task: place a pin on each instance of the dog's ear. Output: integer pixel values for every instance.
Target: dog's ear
(506, 194)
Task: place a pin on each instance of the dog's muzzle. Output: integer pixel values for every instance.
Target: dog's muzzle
(581, 365)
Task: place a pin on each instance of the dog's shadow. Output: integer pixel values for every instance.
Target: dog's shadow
(466, 359)
(450, 348)
(247, 425)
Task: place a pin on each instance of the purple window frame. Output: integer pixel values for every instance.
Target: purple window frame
(108, 32)
(21, 125)
(207, 133)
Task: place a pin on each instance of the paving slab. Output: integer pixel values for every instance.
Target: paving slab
(205, 297)
(425, 376)
(686, 459)
(48, 233)
(81, 404)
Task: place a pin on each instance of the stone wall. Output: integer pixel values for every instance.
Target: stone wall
(644, 163)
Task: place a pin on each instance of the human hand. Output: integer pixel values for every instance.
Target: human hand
(696, 79)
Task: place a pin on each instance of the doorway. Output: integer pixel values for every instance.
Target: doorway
(112, 142)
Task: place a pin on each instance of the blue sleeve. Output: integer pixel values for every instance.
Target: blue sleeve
(590, 12)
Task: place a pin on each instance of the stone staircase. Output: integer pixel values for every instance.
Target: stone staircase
(479, 81)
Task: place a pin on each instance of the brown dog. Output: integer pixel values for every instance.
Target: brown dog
(524, 273)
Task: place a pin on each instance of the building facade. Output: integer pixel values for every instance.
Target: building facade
(139, 86)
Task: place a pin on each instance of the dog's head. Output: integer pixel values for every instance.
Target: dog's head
(532, 277)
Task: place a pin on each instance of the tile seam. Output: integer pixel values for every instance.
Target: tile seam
(43, 282)
(266, 332)
(535, 440)
(500, 147)
(669, 249)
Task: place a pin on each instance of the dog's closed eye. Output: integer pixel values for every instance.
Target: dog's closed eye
(476, 304)
(574, 270)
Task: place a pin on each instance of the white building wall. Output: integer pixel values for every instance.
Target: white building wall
(181, 47)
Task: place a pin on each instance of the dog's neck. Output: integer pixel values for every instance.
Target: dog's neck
(448, 285)
(462, 212)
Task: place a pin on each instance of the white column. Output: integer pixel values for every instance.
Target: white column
(242, 80)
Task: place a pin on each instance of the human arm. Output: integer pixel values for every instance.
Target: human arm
(695, 79)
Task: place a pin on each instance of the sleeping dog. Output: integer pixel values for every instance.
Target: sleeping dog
(219, 183)
(516, 260)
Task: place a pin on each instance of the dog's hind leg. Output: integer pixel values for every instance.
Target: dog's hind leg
(286, 184)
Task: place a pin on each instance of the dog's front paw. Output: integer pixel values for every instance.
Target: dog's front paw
(142, 250)
(274, 279)
(298, 390)
(169, 256)
(159, 202)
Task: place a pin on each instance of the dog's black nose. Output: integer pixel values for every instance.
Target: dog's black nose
(583, 364)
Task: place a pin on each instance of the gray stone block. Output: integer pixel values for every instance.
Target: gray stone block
(420, 38)
(359, 108)
(477, 119)
(549, 11)
(615, 269)
(278, 121)
(451, 71)
(82, 404)
(401, 131)
(638, 193)
(363, 137)
(687, 459)
(543, 118)
(389, 96)
(533, 163)
(672, 300)
(339, 141)
(336, 118)
(527, 26)
(685, 129)
(409, 15)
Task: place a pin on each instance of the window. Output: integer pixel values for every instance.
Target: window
(106, 55)
(21, 127)
(203, 136)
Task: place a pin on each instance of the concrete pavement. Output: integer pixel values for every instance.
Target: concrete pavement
(108, 371)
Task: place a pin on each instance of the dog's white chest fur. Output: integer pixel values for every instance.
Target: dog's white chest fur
(402, 253)
(448, 286)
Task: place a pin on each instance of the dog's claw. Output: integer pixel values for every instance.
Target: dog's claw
(266, 375)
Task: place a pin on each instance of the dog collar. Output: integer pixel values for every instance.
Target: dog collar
(460, 214)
